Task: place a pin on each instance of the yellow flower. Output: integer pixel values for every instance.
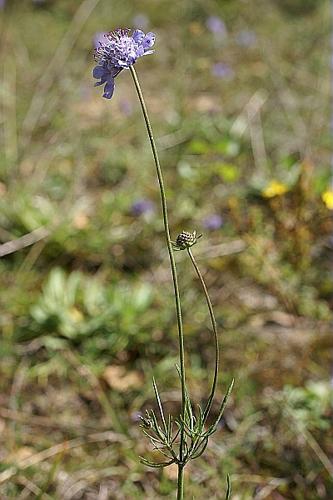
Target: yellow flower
(274, 188)
(327, 198)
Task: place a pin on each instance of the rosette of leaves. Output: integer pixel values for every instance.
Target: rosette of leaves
(79, 309)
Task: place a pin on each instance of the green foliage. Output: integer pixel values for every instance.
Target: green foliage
(310, 405)
(77, 307)
(95, 291)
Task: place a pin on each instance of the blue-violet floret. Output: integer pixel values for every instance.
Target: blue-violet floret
(119, 51)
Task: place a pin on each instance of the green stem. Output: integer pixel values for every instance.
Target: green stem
(170, 250)
(216, 340)
(180, 483)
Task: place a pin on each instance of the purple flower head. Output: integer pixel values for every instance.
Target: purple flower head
(119, 51)
(2, 4)
(222, 70)
(216, 25)
(142, 207)
(213, 222)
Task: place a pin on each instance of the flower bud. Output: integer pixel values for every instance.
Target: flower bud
(186, 240)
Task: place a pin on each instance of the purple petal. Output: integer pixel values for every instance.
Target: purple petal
(99, 72)
(140, 51)
(148, 41)
(109, 89)
(138, 36)
(148, 52)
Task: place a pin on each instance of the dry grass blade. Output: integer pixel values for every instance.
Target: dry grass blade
(24, 241)
(37, 458)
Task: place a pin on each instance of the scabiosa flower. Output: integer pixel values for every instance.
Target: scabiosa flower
(222, 70)
(119, 51)
(142, 207)
(213, 222)
(216, 25)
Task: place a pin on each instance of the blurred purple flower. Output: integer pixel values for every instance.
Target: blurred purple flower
(246, 38)
(2, 4)
(119, 51)
(222, 70)
(99, 39)
(216, 25)
(141, 21)
(213, 222)
(142, 207)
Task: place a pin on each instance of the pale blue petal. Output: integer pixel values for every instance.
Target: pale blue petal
(138, 36)
(148, 41)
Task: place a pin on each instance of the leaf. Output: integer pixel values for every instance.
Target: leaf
(197, 452)
(228, 492)
(212, 429)
(227, 147)
(228, 172)
(159, 402)
(199, 147)
(144, 461)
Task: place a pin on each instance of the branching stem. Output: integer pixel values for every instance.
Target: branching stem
(173, 271)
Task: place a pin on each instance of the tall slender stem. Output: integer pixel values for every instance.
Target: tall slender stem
(171, 255)
(214, 327)
(180, 490)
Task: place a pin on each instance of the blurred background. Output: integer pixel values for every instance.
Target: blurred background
(238, 93)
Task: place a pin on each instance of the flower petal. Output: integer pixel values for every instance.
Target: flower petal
(140, 51)
(109, 89)
(148, 41)
(138, 36)
(148, 52)
(99, 72)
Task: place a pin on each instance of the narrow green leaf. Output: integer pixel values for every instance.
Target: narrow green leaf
(144, 461)
(213, 428)
(197, 451)
(159, 402)
(228, 492)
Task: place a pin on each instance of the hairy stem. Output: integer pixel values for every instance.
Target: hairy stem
(172, 259)
(216, 340)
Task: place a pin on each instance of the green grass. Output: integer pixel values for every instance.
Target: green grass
(87, 313)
